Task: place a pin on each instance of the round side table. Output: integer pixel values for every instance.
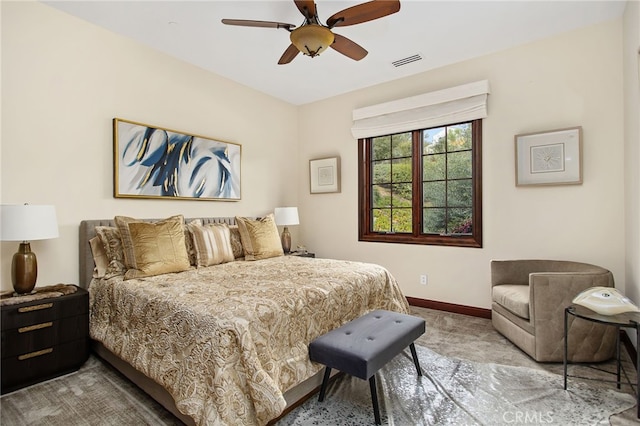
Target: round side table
(623, 320)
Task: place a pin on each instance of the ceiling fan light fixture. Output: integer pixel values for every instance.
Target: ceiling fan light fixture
(312, 39)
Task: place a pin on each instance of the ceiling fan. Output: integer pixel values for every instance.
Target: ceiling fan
(312, 37)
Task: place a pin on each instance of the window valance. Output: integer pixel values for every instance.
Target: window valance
(447, 106)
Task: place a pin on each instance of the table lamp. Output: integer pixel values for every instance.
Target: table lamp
(25, 223)
(286, 216)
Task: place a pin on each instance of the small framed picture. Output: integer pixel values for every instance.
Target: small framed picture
(324, 175)
(549, 158)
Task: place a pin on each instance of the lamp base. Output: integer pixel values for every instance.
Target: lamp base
(24, 269)
(286, 240)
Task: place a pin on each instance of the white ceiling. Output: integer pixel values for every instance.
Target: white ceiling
(442, 32)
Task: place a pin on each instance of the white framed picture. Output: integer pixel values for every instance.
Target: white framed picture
(549, 158)
(324, 175)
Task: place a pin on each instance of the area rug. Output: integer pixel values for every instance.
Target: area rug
(94, 395)
(451, 392)
(457, 392)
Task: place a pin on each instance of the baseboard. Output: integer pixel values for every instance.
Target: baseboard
(450, 307)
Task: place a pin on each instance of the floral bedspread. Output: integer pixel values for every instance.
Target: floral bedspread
(228, 340)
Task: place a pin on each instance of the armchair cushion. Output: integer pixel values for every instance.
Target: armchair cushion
(514, 298)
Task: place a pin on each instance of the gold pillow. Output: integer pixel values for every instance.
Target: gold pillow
(158, 248)
(122, 222)
(260, 239)
(212, 243)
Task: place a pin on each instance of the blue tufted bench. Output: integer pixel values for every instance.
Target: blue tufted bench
(363, 346)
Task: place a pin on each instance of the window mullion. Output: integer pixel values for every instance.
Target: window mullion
(416, 203)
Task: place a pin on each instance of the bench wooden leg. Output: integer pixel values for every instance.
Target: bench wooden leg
(374, 399)
(415, 358)
(325, 382)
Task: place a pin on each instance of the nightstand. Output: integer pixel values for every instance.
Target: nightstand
(44, 335)
(301, 254)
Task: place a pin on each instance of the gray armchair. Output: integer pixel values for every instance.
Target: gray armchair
(528, 302)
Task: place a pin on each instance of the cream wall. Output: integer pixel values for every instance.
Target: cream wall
(63, 80)
(631, 62)
(574, 79)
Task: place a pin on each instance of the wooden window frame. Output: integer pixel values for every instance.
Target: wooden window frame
(417, 237)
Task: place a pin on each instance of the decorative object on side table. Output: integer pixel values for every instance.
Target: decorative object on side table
(285, 216)
(302, 254)
(605, 301)
(44, 335)
(301, 251)
(27, 223)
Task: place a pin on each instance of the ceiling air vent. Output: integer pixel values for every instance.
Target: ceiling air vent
(407, 60)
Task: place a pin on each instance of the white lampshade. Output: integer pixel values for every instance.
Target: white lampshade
(286, 216)
(28, 222)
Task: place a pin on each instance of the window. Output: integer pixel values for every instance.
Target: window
(422, 186)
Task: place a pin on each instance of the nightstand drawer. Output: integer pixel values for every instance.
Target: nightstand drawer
(27, 369)
(44, 310)
(42, 335)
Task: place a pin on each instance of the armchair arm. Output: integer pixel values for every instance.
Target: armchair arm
(553, 291)
(549, 294)
(517, 271)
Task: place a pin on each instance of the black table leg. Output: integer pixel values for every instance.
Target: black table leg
(566, 345)
(325, 382)
(637, 372)
(374, 399)
(414, 354)
(618, 356)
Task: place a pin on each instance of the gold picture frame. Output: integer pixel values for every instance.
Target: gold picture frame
(552, 157)
(324, 175)
(154, 162)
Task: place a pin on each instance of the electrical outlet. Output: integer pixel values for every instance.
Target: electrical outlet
(423, 279)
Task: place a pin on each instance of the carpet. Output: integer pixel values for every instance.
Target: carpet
(451, 392)
(458, 392)
(94, 395)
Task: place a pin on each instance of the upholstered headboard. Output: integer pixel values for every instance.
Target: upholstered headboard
(88, 231)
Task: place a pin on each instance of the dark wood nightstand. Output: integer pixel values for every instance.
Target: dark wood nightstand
(43, 335)
(301, 254)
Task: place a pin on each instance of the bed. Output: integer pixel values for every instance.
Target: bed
(228, 343)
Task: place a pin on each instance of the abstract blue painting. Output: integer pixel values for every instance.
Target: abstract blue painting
(152, 162)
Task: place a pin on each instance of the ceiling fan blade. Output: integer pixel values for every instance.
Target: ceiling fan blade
(363, 12)
(288, 55)
(307, 8)
(348, 48)
(263, 24)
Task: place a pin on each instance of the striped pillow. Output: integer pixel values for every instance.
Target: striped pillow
(212, 243)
